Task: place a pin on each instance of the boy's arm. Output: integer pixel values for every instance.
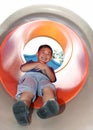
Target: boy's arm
(47, 71)
(28, 66)
(39, 66)
(50, 73)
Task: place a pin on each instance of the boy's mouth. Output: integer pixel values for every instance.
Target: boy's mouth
(43, 59)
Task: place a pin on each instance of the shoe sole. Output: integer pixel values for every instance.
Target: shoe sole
(51, 108)
(21, 113)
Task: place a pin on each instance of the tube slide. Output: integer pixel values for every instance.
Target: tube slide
(72, 74)
(75, 74)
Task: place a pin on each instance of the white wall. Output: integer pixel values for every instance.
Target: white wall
(83, 8)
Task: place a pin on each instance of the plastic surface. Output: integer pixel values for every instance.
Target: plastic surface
(71, 76)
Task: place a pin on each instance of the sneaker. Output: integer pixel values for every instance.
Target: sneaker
(51, 108)
(21, 112)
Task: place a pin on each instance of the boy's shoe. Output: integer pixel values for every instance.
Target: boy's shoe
(51, 108)
(21, 112)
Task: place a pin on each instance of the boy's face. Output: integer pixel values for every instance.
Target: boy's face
(44, 55)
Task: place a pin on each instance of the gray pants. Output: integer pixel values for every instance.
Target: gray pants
(33, 82)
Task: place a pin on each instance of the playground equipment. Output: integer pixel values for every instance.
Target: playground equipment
(71, 76)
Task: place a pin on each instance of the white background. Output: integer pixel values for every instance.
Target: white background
(83, 8)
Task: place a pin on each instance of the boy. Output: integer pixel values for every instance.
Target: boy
(36, 81)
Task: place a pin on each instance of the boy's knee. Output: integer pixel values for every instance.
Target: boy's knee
(48, 89)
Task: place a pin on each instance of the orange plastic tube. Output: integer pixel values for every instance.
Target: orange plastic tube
(71, 76)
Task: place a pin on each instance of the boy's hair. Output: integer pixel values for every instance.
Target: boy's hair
(45, 46)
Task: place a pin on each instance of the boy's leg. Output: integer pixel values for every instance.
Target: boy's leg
(21, 108)
(48, 93)
(26, 97)
(50, 107)
(26, 91)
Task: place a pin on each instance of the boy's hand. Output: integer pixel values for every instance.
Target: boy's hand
(41, 66)
(46, 70)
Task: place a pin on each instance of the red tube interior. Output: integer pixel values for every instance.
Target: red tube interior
(71, 76)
